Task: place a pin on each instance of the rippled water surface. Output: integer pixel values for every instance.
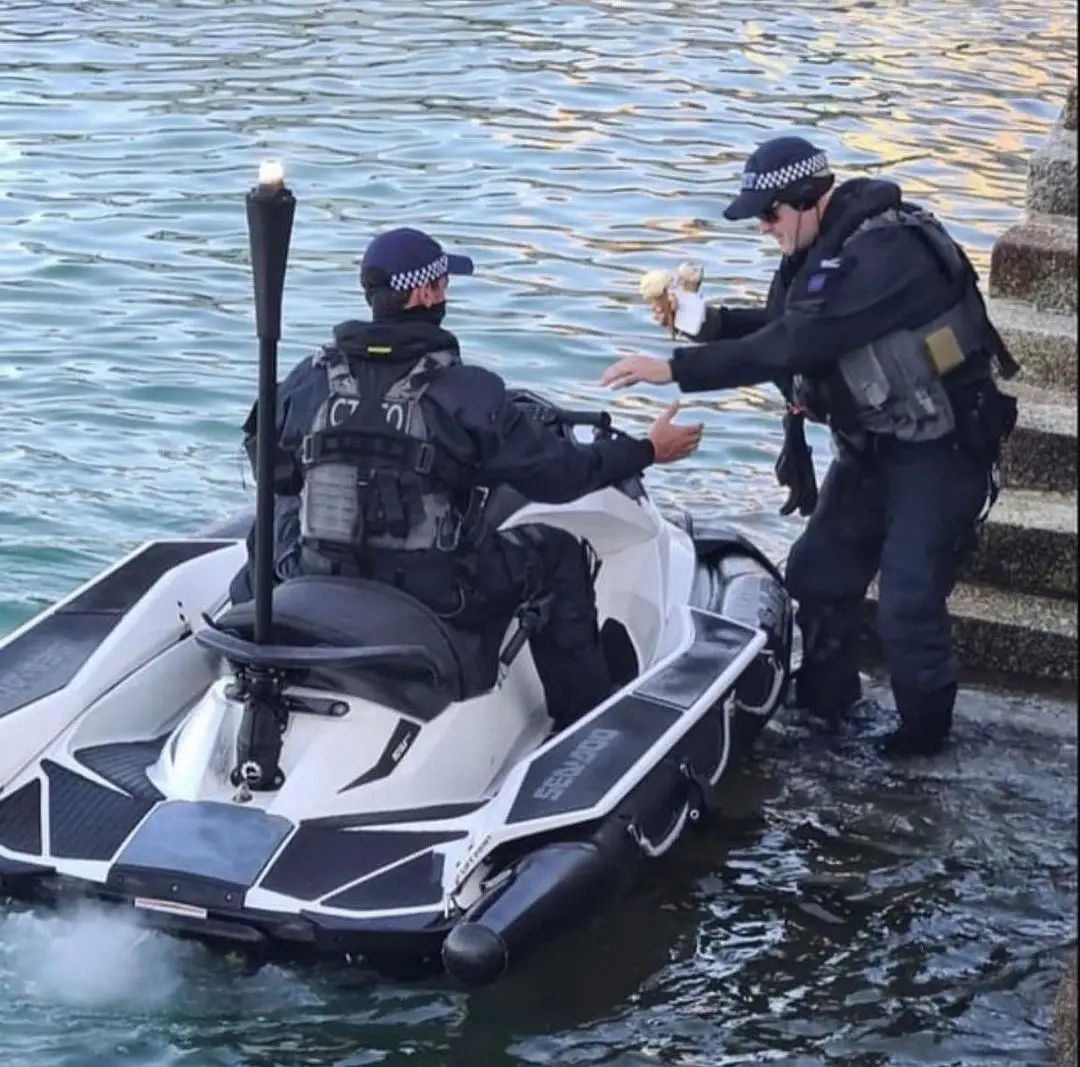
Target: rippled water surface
(853, 913)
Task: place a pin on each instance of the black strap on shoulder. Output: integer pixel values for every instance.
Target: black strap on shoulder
(409, 453)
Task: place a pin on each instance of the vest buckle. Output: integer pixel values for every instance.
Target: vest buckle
(425, 458)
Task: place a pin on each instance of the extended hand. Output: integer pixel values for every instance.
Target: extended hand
(633, 369)
(672, 442)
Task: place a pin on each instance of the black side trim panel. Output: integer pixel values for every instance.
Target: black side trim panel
(318, 859)
(20, 819)
(405, 733)
(577, 772)
(434, 813)
(88, 821)
(717, 641)
(221, 843)
(415, 883)
(124, 763)
(46, 657)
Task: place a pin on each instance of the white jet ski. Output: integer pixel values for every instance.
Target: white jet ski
(337, 776)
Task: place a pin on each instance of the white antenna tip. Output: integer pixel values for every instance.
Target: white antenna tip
(271, 173)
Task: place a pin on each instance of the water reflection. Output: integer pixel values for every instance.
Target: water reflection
(852, 915)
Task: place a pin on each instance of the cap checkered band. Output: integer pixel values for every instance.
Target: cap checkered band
(782, 177)
(410, 279)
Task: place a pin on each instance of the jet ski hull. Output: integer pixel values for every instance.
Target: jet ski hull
(98, 801)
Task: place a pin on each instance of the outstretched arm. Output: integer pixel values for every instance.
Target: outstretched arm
(877, 286)
(512, 446)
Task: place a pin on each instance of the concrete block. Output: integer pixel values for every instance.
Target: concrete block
(1041, 452)
(1052, 176)
(1043, 342)
(1065, 1013)
(1028, 544)
(1006, 633)
(1035, 261)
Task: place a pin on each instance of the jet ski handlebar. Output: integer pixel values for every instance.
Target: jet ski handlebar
(566, 417)
(599, 420)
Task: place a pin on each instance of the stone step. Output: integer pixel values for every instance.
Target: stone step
(1035, 261)
(1043, 342)
(1041, 453)
(1003, 632)
(1028, 545)
(1052, 176)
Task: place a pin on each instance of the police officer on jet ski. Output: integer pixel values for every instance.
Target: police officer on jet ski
(873, 325)
(388, 447)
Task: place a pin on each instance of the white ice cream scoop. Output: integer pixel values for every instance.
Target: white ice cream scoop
(655, 283)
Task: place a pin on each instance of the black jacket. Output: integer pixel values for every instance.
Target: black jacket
(882, 280)
(469, 411)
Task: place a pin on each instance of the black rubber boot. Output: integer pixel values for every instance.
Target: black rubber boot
(827, 690)
(926, 721)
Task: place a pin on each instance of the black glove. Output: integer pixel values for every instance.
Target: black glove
(795, 468)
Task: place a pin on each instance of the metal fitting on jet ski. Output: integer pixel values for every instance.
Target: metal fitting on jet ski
(259, 739)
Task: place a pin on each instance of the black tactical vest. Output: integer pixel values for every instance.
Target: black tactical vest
(374, 478)
(899, 385)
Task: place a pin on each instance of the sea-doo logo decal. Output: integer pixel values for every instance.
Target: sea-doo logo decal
(581, 755)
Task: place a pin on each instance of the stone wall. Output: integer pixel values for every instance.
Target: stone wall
(1015, 610)
(1065, 1020)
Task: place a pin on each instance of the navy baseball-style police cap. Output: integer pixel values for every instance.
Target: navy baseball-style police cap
(773, 167)
(411, 257)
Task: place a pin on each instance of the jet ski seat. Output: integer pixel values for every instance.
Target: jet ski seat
(352, 612)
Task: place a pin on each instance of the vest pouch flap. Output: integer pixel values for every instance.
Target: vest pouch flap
(896, 389)
(866, 379)
(944, 350)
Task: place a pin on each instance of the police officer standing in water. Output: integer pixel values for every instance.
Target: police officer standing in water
(388, 448)
(875, 326)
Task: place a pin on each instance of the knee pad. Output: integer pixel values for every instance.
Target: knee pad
(561, 553)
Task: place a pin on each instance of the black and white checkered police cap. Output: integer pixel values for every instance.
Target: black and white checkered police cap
(410, 258)
(772, 168)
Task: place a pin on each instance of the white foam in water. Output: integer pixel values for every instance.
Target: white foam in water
(90, 958)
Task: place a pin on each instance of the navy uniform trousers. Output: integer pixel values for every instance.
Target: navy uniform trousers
(909, 511)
